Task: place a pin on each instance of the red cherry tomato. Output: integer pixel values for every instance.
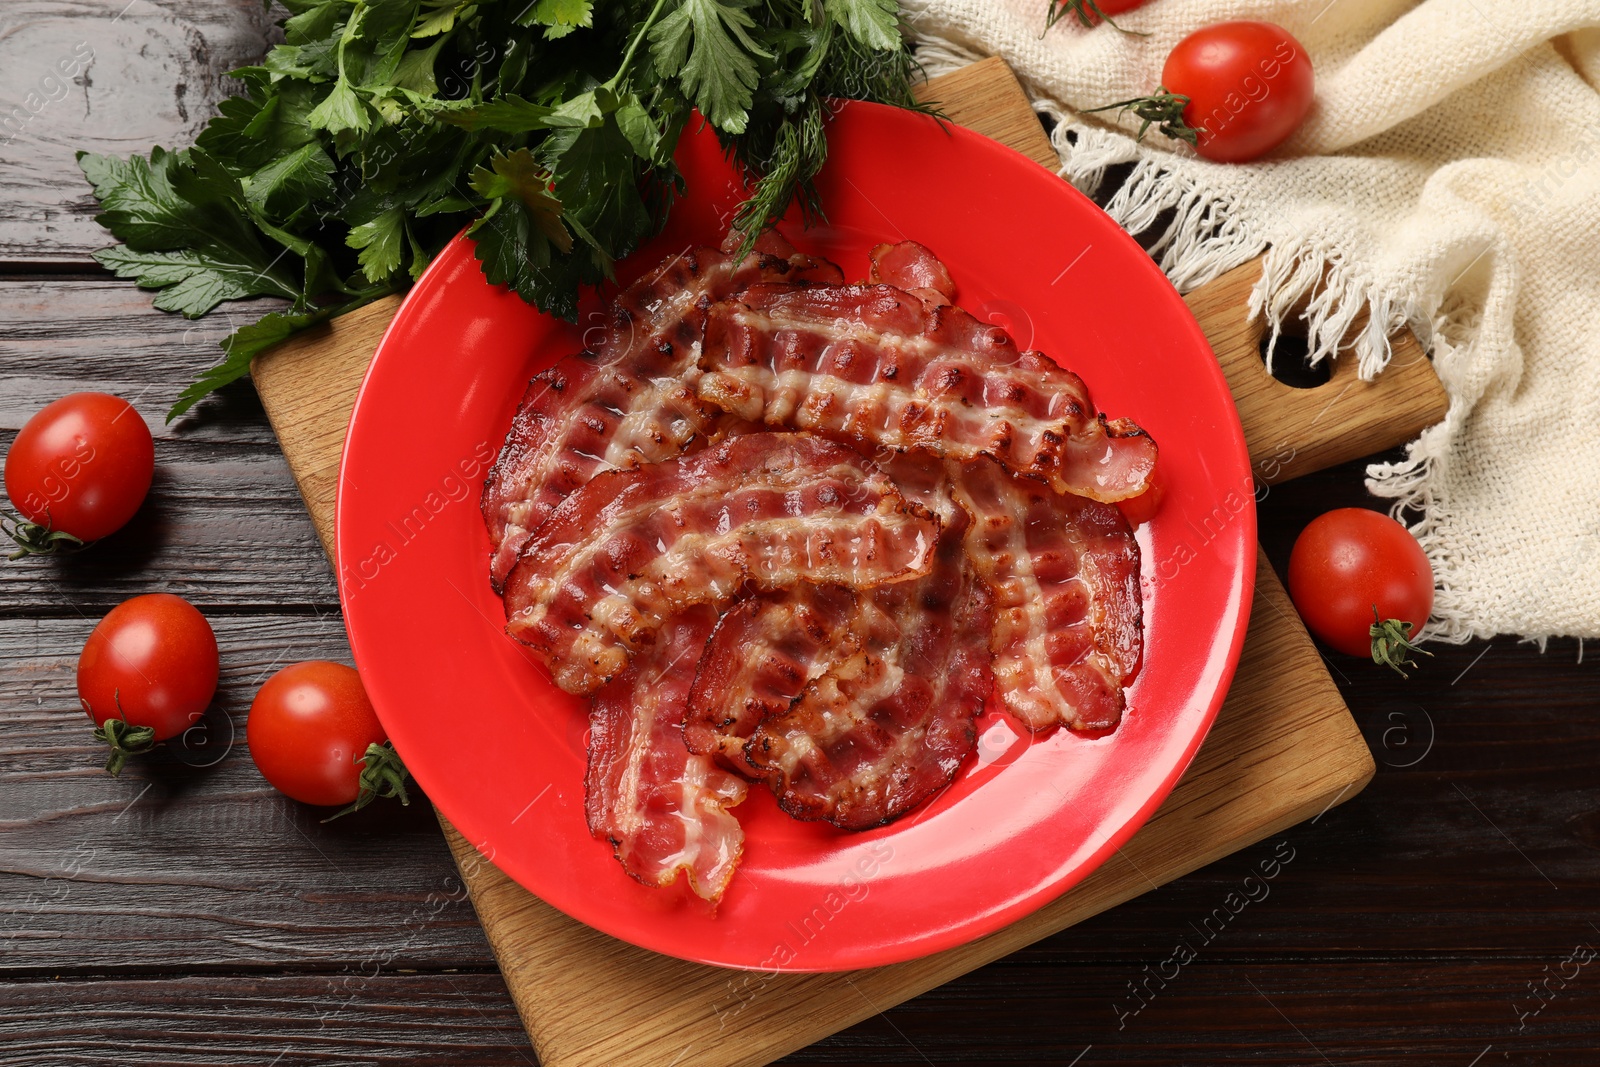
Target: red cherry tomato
(308, 726)
(81, 466)
(1249, 86)
(1351, 561)
(151, 661)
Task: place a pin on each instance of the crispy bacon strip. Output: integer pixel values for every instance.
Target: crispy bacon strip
(631, 399)
(761, 656)
(1064, 572)
(887, 725)
(873, 364)
(663, 809)
(632, 548)
(766, 650)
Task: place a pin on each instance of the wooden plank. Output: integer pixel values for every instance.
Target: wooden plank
(222, 525)
(986, 97)
(1296, 431)
(66, 336)
(294, 1021)
(115, 76)
(189, 859)
(308, 386)
(1277, 1014)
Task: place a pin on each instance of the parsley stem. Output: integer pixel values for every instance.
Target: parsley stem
(633, 45)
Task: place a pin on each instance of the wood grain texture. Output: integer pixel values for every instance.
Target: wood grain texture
(986, 97)
(320, 371)
(1279, 1015)
(356, 1018)
(1296, 431)
(108, 77)
(222, 525)
(62, 336)
(189, 860)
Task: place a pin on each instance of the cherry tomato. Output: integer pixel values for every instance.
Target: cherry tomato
(81, 466)
(1351, 562)
(147, 672)
(309, 725)
(1249, 86)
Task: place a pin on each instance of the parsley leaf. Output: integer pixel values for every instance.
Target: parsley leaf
(875, 23)
(706, 44)
(201, 250)
(379, 129)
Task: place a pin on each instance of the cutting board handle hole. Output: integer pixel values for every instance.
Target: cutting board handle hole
(1291, 363)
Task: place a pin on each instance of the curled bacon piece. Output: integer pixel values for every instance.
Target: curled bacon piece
(1064, 572)
(632, 548)
(631, 399)
(887, 725)
(876, 365)
(663, 809)
(915, 269)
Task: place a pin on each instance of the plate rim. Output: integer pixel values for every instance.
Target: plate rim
(1231, 438)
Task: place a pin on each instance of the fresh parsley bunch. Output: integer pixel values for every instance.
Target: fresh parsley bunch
(380, 128)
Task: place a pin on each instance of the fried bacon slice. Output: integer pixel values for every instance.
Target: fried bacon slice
(888, 724)
(1064, 573)
(876, 365)
(663, 809)
(915, 269)
(767, 649)
(629, 400)
(762, 655)
(633, 547)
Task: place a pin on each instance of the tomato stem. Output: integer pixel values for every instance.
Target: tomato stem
(34, 539)
(1391, 643)
(125, 740)
(383, 774)
(1086, 12)
(1159, 107)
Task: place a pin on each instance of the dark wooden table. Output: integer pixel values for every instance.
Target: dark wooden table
(187, 914)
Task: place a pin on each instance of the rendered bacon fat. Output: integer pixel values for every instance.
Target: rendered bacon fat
(876, 365)
(663, 809)
(632, 548)
(632, 398)
(1064, 573)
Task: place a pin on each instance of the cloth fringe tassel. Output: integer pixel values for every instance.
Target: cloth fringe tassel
(1202, 236)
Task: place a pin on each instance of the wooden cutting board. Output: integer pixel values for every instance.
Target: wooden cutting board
(1284, 747)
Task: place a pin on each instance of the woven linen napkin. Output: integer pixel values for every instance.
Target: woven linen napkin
(1447, 178)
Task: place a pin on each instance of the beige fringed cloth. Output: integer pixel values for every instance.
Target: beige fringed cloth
(1447, 178)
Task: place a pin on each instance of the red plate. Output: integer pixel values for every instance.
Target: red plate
(501, 751)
